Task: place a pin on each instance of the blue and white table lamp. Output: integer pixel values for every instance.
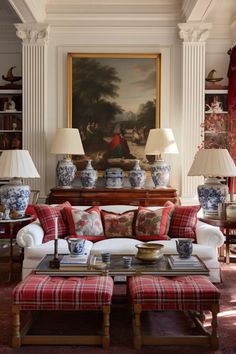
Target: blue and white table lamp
(214, 165)
(15, 165)
(67, 142)
(160, 141)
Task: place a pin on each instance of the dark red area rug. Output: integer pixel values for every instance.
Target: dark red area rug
(121, 325)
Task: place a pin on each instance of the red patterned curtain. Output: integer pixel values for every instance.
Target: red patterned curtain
(232, 109)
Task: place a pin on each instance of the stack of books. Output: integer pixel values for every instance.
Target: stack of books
(69, 262)
(184, 263)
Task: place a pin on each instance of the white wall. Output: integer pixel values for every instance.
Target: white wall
(114, 40)
(64, 40)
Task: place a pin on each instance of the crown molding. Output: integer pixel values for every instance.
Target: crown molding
(29, 10)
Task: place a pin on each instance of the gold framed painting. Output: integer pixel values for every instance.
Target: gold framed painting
(114, 100)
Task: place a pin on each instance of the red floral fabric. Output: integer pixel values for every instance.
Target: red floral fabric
(85, 223)
(46, 215)
(152, 224)
(118, 225)
(183, 221)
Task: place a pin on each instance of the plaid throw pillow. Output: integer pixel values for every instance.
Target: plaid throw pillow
(118, 225)
(46, 214)
(152, 224)
(183, 221)
(85, 223)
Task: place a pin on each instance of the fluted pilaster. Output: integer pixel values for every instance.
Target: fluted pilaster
(194, 36)
(34, 45)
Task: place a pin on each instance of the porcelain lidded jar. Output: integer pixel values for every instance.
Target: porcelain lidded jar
(88, 176)
(137, 177)
(114, 177)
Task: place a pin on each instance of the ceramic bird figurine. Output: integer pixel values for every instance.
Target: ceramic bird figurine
(10, 77)
(210, 77)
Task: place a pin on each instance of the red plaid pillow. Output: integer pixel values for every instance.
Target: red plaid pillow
(183, 221)
(46, 214)
(152, 224)
(85, 223)
(118, 225)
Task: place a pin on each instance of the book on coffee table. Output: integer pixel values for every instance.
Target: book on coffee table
(184, 263)
(70, 261)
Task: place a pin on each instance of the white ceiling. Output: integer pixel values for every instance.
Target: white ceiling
(116, 13)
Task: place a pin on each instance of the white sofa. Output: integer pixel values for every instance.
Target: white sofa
(30, 237)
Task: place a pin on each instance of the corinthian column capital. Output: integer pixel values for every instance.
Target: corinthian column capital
(194, 31)
(31, 33)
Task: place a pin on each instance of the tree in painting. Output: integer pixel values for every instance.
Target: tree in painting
(109, 129)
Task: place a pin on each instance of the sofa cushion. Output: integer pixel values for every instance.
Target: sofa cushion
(46, 214)
(152, 224)
(183, 221)
(118, 225)
(120, 245)
(85, 223)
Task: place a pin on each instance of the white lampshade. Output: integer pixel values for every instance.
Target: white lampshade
(67, 141)
(17, 163)
(161, 141)
(213, 163)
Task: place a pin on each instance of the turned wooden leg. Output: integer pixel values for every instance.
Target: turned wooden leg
(106, 326)
(214, 336)
(137, 309)
(16, 338)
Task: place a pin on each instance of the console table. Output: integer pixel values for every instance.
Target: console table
(110, 196)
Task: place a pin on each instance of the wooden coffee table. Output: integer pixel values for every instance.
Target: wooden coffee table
(160, 267)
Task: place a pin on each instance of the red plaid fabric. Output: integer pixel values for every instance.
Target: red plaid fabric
(194, 292)
(63, 293)
(46, 214)
(183, 221)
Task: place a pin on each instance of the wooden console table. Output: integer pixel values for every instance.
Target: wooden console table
(109, 196)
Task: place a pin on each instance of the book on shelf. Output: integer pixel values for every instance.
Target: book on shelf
(69, 261)
(176, 262)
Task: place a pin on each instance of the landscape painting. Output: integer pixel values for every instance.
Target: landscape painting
(114, 100)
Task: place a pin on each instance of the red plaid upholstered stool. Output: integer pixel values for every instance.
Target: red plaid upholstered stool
(37, 293)
(185, 293)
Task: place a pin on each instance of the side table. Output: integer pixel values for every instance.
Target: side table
(225, 224)
(11, 223)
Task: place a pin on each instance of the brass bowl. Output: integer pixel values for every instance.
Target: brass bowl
(149, 252)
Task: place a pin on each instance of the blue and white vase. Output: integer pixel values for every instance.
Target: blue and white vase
(114, 177)
(15, 196)
(211, 194)
(160, 172)
(65, 172)
(88, 176)
(137, 177)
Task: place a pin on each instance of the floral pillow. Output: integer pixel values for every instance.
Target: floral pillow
(118, 225)
(183, 221)
(46, 215)
(152, 224)
(85, 223)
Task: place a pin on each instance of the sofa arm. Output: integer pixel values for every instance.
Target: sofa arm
(30, 235)
(209, 235)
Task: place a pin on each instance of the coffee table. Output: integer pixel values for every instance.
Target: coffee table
(160, 267)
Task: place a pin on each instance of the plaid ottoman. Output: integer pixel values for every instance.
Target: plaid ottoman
(194, 294)
(36, 293)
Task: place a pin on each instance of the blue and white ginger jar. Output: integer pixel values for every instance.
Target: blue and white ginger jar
(114, 177)
(88, 176)
(211, 194)
(137, 177)
(160, 172)
(65, 172)
(15, 197)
